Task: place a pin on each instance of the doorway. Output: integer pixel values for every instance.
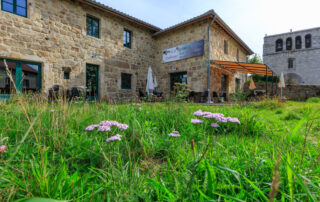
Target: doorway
(92, 82)
(24, 77)
(180, 77)
(224, 87)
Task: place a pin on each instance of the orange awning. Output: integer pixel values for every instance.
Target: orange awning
(249, 68)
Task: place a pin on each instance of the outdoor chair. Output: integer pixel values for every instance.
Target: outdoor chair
(204, 96)
(215, 97)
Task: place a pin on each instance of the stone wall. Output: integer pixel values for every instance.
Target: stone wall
(235, 53)
(291, 92)
(54, 34)
(195, 67)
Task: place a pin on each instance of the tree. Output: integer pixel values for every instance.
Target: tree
(255, 59)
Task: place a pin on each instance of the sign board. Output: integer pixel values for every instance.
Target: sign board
(184, 51)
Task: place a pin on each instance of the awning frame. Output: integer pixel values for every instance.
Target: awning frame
(260, 69)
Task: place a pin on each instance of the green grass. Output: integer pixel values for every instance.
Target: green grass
(50, 155)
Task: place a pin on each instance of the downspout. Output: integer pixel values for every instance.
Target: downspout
(209, 58)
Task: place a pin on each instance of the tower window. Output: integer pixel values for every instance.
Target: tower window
(308, 40)
(289, 43)
(279, 44)
(298, 42)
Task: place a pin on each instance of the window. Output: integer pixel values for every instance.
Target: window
(289, 43)
(125, 81)
(66, 75)
(225, 45)
(291, 63)
(298, 42)
(237, 82)
(127, 38)
(308, 40)
(279, 45)
(93, 27)
(26, 83)
(18, 7)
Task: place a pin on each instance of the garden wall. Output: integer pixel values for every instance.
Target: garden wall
(292, 92)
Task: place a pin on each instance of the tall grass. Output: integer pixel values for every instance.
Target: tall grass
(50, 154)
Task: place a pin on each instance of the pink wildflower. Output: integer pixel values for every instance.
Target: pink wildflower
(113, 138)
(174, 134)
(91, 127)
(52, 110)
(3, 148)
(198, 113)
(104, 128)
(217, 116)
(233, 120)
(196, 121)
(214, 125)
(108, 123)
(122, 126)
(222, 119)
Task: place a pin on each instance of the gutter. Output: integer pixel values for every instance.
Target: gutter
(209, 58)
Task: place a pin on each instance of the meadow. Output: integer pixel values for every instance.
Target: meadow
(273, 154)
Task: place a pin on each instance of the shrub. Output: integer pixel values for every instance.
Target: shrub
(291, 116)
(181, 92)
(313, 100)
(239, 96)
(268, 104)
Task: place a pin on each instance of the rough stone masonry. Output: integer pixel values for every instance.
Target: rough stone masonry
(296, 54)
(54, 34)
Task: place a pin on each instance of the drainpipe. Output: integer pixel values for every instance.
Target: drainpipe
(209, 57)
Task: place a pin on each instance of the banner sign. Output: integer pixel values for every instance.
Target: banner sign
(184, 51)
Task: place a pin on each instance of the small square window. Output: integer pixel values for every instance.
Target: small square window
(18, 7)
(291, 63)
(127, 38)
(66, 75)
(225, 46)
(125, 81)
(93, 27)
(26, 83)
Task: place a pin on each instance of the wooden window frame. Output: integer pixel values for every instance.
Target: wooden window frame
(91, 31)
(126, 43)
(14, 5)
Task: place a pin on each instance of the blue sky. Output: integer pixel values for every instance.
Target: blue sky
(250, 19)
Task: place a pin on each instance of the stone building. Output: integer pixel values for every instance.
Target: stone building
(296, 54)
(84, 43)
